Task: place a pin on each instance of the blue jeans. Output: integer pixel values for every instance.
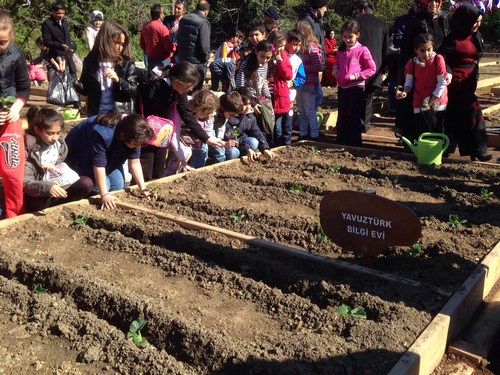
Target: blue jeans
(282, 130)
(220, 154)
(309, 98)
(199, 157)
(115, 180)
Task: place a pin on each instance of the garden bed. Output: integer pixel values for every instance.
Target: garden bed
(216, 304)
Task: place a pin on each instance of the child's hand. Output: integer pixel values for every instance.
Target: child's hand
(251, 155)
(400, 94)
(14, 111)
(278, 57)
(47, 167)
(433, 102)
(149, 194)
(111, 74)
(215, 142)
(268, 154)
(352, 77)
(257, 108)
(230, 143)
(58, 192)
(108, 202)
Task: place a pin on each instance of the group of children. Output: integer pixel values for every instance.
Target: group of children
(253, 114)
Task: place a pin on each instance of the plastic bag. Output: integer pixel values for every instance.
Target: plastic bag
(62, 175)
(61, 90)
(265, 119)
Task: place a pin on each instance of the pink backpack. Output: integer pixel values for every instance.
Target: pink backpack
(163, 129)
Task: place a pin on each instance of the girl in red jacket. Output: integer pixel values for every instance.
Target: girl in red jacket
(280, 72)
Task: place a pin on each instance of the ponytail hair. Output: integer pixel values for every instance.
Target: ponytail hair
(42, 118)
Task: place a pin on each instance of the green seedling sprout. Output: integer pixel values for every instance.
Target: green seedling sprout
(237, 216)
(155, 189)
(314, 149)
(39, 289)
(335, 169)
(236, 132)
(415, 249)
(81, 220)
(357, 312)
(320, 235)
(134, 332)
(6, 102)
(485, 193)
(454, 220)
(296, 188)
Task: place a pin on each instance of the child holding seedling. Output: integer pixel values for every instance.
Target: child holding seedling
(48, 180)
(230, 105)
(426, 76)
(14, 92)
(244, 128)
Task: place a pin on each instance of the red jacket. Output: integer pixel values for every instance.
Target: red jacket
(283, 74)
(155, 40)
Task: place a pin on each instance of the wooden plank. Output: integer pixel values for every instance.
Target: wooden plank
(488, 63)
(285, 249)
(495, 90)
(488, 82)
(426, 352)
(491, 109)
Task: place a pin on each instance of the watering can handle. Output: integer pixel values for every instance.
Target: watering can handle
(437, 135)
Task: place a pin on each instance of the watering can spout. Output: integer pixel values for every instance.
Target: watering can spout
(407, 142)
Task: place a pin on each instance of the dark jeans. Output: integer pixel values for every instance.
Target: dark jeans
(153, 162)
(282, 129)
(202, 68)
(223, 70)
(351, 112)
(79, 190)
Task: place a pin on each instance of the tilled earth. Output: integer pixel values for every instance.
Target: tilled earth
(217, 305)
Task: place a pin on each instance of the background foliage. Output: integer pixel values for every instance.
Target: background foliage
(225, 14)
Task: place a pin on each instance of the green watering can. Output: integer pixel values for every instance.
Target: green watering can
(429, 147)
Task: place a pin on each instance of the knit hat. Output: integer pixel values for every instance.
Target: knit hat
(96, 14)
(316, 4)
(272, 12)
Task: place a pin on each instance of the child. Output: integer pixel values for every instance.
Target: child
(310, 95)
(249, 136)
(280, 72)
(37, 72)
(204, 104)
(224, 65)
(253, 74)
(353, 66)
(15, 83)
(292, 47)
(96, 19)
(256, 34)
(426, 76)
(230, 105)
(108, 77)
(48, 181)
(98, 147)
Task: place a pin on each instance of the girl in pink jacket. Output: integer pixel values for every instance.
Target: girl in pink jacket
(353, 66)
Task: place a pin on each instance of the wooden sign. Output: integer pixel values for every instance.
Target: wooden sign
(366, 223)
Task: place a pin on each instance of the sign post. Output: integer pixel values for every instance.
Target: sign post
(366, 223)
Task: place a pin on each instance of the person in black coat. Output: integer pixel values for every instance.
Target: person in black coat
(375, 36)
(55, 34)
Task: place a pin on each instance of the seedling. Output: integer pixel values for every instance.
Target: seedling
(454, 220)
(314, 149)
(134, 332)
(154, 190)
(357, 312)
(335, 169)
(485, 193)
(415, 249)
(81, 220)
(296, 188)
(39, 289)
(6, 102)
(236, 132)
(237, 216)
(320, 235)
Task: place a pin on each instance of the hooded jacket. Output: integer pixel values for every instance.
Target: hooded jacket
(14, 77)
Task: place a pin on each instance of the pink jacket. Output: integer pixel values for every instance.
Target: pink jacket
(355, 60)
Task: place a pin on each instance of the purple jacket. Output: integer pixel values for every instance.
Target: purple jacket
(355, 60)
